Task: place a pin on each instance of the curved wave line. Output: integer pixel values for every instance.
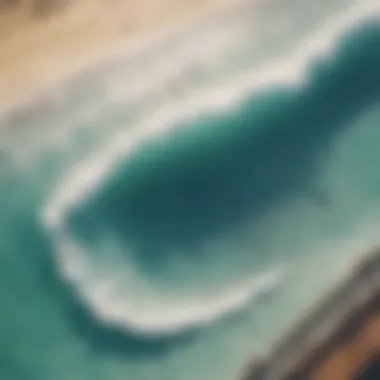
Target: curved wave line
(84, 179)
(99, 294)
(112, 303)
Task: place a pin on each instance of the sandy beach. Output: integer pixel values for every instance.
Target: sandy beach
(34, 49)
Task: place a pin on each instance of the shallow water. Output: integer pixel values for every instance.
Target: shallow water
(169, 225)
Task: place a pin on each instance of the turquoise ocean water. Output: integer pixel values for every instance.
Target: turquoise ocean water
(166, 213)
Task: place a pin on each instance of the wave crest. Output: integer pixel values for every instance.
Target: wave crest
(101, 290)
(129, 303)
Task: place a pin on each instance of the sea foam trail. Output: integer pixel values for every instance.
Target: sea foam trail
(114, 302)
(88, 175)
(56, 85)
(130, 83)
(74, 263)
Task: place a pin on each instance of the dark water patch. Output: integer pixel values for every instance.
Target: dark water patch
(178, 191)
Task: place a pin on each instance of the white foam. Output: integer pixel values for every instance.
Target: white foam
(88, 175)
(101, 292)
(115, 299)
(117, 296)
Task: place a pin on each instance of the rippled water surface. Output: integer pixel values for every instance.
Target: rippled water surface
(167, 212)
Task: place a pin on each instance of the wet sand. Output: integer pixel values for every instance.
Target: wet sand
(34, 49)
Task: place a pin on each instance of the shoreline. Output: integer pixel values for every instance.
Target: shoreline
(31, 62)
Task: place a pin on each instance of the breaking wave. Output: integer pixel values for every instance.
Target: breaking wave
(293, 70)
(115, 293)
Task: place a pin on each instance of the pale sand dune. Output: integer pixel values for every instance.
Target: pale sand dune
(34, 49)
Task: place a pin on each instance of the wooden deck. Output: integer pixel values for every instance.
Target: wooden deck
(337, 339)
(347, 360)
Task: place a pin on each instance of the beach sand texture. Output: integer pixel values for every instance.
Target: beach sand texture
(37, 46)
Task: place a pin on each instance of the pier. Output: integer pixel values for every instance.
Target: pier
(338, 339)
